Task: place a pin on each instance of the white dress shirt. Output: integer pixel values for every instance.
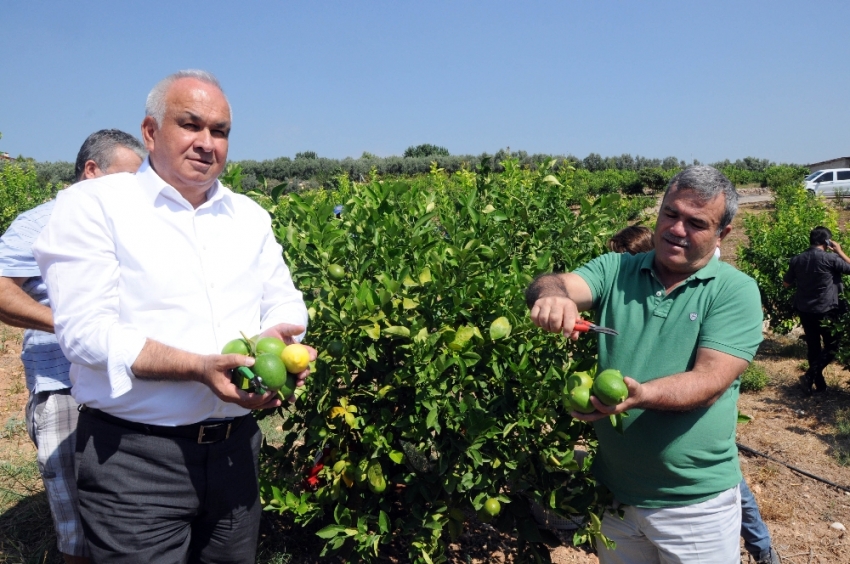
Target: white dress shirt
(126, 257)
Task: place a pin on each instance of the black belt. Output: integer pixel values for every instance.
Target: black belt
(206, 432)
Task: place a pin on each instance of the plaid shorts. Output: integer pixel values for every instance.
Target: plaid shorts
(52, 426)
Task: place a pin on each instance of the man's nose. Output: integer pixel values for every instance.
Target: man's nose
(204, 140)
(678, 229)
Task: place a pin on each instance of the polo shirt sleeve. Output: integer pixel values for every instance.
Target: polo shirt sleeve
(733, 324)
(16, 258)
(598, 274)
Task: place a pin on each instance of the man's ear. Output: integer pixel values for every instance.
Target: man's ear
(149, 127)
(91, 170)
(724, 232)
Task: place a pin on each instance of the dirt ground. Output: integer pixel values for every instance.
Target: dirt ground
(806, 515)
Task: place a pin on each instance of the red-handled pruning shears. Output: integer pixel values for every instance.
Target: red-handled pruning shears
(583, 326)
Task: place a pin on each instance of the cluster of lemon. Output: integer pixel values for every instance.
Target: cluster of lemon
(608, 387)
(275, 364)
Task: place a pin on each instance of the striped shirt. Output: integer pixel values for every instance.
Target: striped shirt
(45, 366)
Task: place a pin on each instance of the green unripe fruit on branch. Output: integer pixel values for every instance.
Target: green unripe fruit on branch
(610, 388)
(236, 346)
(269, 345)
(580, 400)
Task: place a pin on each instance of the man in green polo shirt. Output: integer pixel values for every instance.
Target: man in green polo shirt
(689, 325)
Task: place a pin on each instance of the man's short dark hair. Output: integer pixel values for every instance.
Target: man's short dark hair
(708, 182)
(819, 235)
(100, 147)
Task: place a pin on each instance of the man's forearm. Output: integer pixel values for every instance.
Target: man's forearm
(157, 361)
(544, 286)
(18, 309)
(711, 376)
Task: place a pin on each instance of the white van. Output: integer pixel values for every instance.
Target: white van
(829, 181)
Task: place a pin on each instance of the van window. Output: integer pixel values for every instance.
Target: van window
(812, 175)
(825, 177)
(843, 175)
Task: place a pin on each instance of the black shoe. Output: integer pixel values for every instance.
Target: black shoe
(807, 381)
(772, 557)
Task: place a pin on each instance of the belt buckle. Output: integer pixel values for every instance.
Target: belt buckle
(215, 426)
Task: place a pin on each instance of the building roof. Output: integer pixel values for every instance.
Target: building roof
(828, 161)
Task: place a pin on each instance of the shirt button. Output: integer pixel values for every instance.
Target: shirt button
(658, 293)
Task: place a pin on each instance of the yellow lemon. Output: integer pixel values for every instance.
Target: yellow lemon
(296, 357)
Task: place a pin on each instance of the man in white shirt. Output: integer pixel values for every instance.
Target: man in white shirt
(149, 275)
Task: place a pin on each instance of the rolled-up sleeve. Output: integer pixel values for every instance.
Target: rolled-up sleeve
(281, 301)
(76, 255)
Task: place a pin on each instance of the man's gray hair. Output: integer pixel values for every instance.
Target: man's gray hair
(708, 183)
(155, 105)
(100, 147)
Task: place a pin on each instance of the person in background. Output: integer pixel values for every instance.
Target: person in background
(753, 528)
(51, 413)
(816, 273)
(633, 239)
(149, 275)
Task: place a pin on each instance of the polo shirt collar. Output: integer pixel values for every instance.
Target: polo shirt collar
(707, 272)
(154, 186)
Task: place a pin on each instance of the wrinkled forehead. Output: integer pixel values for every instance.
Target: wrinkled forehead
(193, 96)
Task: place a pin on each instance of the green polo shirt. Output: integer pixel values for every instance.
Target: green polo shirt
(667, 458)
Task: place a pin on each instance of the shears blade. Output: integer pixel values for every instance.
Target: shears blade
(583, 326)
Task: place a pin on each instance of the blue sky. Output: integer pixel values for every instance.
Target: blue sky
(697, 80)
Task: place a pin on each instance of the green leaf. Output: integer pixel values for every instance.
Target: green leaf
(396, 456)
(383, 522)
(425, 276)
(331, 531)
(550, 179)
(374, 331)
(431, 419)
(410, 304)
(396, 331)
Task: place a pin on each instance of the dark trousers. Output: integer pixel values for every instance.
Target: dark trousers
(160, 500)
(819, 356)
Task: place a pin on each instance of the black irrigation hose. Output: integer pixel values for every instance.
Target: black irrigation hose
(794, 468)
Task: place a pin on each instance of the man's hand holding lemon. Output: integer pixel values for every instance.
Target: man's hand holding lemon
(295, 358)
(288, 371)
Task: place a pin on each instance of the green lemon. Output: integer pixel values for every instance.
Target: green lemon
(580, 400)
(500, 328)
(375, 475)
(270, 345)
(288, 388)
(336, 272)
(336, 349)
(270, 368)
(236, 346)
(492, 507)
(579, 379)
(610, 388)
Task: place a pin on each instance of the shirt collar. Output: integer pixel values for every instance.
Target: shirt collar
(154, 186)
(707, 272)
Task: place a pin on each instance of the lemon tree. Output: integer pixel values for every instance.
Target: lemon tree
(433, 393)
